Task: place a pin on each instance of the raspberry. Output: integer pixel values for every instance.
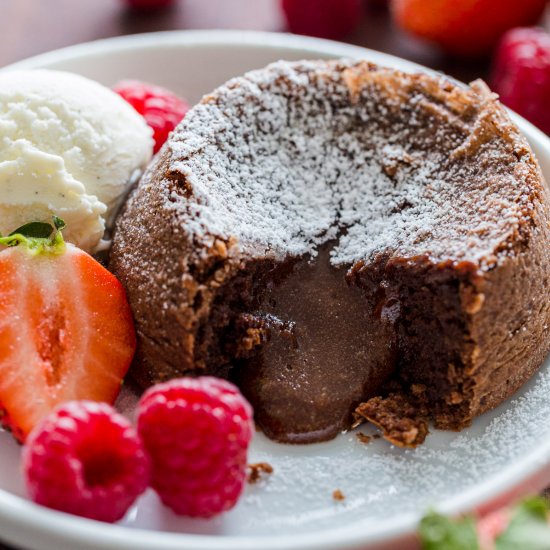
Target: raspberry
(162, 109)
(197, 432)
(86, 459)
(521, 74)
(467, 27)
(323, 18)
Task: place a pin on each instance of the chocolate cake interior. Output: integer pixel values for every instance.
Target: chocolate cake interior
(315, 351)
(307, 342)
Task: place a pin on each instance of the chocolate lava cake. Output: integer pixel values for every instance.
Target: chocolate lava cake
(336, 236)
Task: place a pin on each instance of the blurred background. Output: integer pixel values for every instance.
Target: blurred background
(467, 39)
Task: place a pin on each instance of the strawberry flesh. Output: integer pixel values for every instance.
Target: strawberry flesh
(66, 333)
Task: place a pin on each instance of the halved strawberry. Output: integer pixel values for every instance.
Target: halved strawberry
(66, 330)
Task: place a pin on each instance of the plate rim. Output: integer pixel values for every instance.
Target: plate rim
(39, 521)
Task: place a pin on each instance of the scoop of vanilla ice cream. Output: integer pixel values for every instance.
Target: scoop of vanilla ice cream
(68, 146)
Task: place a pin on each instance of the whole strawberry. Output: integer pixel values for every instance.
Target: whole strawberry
(465, 27)
(521, 74)
(323, 18)
(86, 459)
(162, 109)
(197, 432)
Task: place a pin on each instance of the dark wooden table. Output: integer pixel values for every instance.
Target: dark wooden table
(30, 27)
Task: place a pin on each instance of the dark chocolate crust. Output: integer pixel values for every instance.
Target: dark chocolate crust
(462, 307)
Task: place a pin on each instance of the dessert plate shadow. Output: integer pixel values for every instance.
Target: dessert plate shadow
(504, 454)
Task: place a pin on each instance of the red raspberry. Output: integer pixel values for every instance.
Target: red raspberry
(323, 18)
(86, 459)
(521, 74)
(197, 432)
(162, 109)
(465, 27)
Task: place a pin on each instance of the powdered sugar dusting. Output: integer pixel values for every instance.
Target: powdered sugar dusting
(400, 481)
(287, 157)
(383, 485)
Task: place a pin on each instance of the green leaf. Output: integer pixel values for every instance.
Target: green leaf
(38, 237)
(34, 230)
(528, 529)
(58, 223)
(438, 532)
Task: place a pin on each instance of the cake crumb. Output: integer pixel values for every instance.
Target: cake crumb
(338, 495)
(363, 438)
(258, 471)
(401, 422)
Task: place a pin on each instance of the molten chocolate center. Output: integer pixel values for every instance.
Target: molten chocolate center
(324, 352)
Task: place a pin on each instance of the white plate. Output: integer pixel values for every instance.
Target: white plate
(503, 455)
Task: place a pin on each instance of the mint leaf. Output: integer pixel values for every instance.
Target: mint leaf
(528, 529)
(438, 532)
(34, 230)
